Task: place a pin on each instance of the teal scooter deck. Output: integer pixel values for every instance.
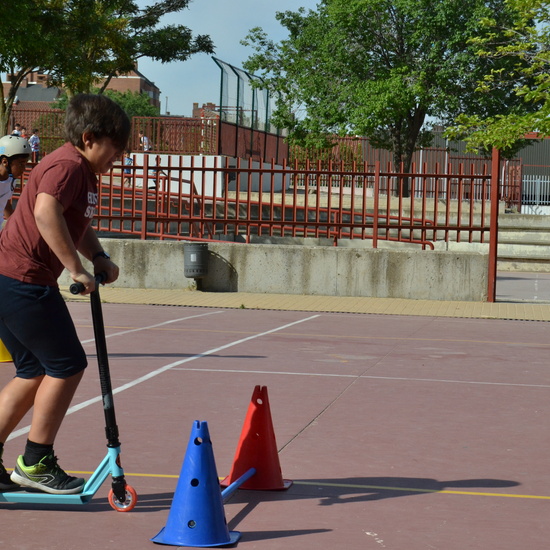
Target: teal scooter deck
(107, 467)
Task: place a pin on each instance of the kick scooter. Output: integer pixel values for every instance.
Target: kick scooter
(122, 497)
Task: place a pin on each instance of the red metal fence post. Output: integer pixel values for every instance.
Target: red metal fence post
(376, 193)
(493, 232)
(144, 198)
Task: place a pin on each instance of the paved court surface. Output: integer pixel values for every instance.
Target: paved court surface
(523, 287)
(404, 432)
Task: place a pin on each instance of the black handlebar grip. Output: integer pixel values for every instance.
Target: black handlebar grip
(77, 288)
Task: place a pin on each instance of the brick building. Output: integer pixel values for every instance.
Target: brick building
(208, 110)
(136, 82)
(35, 94)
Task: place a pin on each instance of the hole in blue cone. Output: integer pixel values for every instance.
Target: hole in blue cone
(194, 482)
(198, 441)
(191, 524)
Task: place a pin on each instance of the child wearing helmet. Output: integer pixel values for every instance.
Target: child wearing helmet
(14, 155)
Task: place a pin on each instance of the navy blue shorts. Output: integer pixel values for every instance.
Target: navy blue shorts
(38, 331)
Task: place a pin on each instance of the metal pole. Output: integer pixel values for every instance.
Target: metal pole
(221, 118)
(227, 492)
(493, 229)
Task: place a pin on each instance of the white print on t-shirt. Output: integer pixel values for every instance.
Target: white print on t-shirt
(92, 202)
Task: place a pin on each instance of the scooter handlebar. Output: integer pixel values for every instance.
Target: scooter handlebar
(77, 288)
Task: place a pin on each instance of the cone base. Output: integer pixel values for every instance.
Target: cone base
(161, 538)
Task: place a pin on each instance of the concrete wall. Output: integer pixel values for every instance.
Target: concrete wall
(292, 269)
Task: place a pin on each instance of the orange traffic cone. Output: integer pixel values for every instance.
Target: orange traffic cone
(257, 449)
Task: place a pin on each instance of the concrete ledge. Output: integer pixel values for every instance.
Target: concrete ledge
(304, 270)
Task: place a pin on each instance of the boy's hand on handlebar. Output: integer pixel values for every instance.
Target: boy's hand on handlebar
(85, 279)
(103, 265)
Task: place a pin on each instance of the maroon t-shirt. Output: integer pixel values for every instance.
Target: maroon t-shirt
(66, 175)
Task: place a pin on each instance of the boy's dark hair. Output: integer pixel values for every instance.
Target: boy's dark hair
(98, 114)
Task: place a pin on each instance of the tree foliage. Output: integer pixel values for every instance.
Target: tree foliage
(17, 57)
(133, 103)
(106, 37)
(384, 69)
(519, 57)
(81, 43)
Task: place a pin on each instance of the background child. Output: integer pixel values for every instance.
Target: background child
(143, 141)
(128, 161)
(51, 224)
(14, 155)
(34, 142)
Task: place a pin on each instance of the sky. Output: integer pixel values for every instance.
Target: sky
(227, 22)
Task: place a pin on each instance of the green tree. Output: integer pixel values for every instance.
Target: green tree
(377, 68)
(133, 103)
(519, 54)
(18, 56)
(81, 43)
(103, 38)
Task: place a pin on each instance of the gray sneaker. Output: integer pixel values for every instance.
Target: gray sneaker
(6, 484)
(46, 476)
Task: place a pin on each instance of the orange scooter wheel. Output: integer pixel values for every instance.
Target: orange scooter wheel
(128, 504)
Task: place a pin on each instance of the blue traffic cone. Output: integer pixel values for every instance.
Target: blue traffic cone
(197, 516)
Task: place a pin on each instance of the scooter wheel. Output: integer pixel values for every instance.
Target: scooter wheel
(128, 504)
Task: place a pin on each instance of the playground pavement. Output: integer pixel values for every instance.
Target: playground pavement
(403, 424)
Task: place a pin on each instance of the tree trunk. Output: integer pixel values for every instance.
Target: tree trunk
(400, 166)
(6, 106)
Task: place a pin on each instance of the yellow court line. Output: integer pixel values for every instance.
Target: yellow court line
(367, 487)
(126, 474)
(413, 490)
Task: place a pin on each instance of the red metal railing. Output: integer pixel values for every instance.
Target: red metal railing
(219, 198)
(216, 198)
(177, 135)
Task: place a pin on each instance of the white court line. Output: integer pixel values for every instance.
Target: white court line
(129, 331)
(448, 381)
(358, 376)
(284, 373)
(156, 372)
